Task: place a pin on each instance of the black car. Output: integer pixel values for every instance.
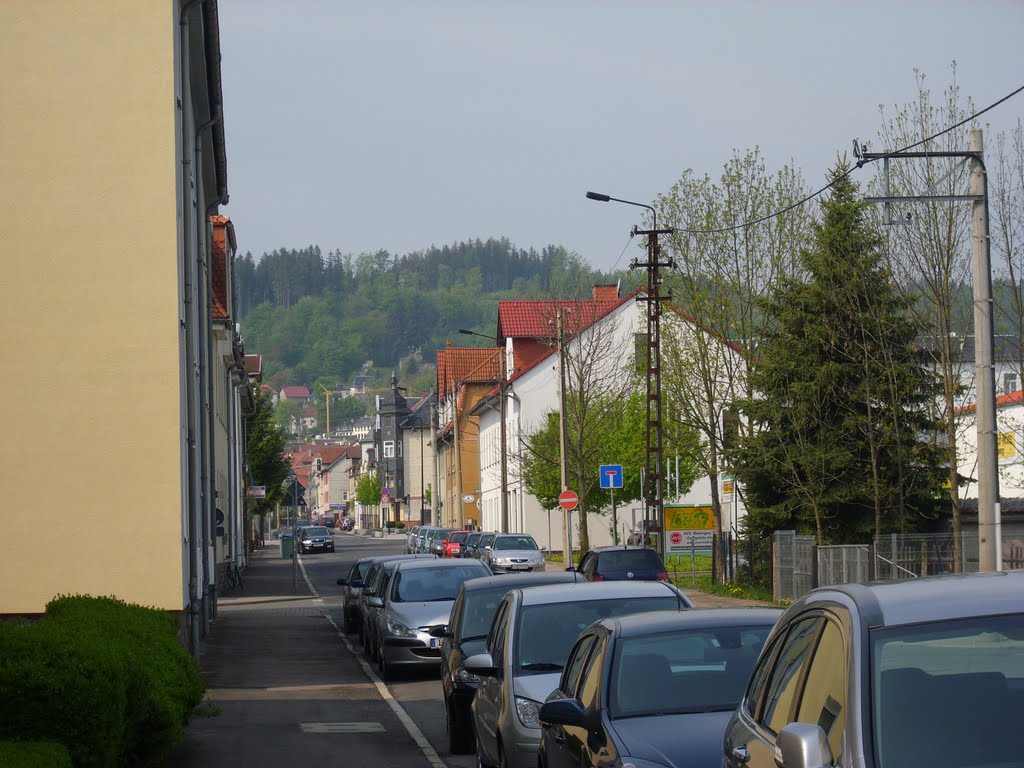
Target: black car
(315, 538)
(653, 689)
(464, 636)
(469, 546)
(621, 564)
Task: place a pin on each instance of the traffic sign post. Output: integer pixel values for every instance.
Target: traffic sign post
(611, 478)
(568, 500)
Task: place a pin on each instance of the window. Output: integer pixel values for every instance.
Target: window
(344, 495)
(590, 683)
(389, 449)
(574, 668)
(1009, 383)
(785, 677)
(824, 698)
(496, 638)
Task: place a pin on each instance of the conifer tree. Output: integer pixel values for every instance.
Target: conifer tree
(841, 443)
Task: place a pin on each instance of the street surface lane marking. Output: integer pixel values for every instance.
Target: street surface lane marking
(368, 727)
(417, 735)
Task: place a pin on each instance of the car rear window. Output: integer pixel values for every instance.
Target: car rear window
(629, 560)
(546, 632)
(458, 537)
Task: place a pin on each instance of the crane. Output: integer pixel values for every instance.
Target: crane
(330, 392)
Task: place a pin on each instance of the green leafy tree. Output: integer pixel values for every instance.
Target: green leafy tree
(841, 443)
(264, 455)
(368, 489)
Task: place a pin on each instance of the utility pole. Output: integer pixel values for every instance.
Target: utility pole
(562, 436)
(435, 493)
(654, 502)
(989, 533)
(503, 394)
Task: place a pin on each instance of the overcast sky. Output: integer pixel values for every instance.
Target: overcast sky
(359, 126)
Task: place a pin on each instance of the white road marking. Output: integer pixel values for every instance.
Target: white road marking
(417, 735)
(368, 727)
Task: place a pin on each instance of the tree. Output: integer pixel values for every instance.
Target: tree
(841, 440)
(266, 462)
(368, 489)
(724, 267)
(929, 252)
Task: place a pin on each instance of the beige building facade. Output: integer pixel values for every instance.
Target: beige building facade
(112, 155)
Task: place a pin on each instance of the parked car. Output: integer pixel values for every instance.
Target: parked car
(435, 540)
(527, 646)
(656, 687)
(469, 546)
(464, 636)
(420, 545)
(923, 672)
(360, 614)
(352, 587)
(315, 538)
(347, 523)
(483, 543)
(513, 552)
(618, 563)
(418, 596)
(411, 539)
(452, 545)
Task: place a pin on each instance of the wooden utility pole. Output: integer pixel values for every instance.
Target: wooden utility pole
(562, 437)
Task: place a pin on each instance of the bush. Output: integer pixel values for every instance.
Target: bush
(400, 526)
(57, 684)
(34, 754)
(163, 681)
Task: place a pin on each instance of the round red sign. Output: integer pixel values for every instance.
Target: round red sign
(676, 538)
(568, 499)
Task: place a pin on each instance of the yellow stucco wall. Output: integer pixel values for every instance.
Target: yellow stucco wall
(89, 451)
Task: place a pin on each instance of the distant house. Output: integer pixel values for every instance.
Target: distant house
(294, 393)
(266, 389)
(359, 385)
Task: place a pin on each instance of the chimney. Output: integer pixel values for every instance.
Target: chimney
(606, 293)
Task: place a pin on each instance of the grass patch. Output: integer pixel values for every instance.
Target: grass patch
(739, 591)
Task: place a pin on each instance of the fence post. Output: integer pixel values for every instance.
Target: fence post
(814, 565)
(714, 556)
(872, 563)
(772, 580)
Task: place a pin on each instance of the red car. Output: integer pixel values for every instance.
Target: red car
(453, 543)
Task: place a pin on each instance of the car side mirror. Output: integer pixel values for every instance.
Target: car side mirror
(563, 712)
(342, 582)
(375, 602)
(356, 584)
(571, 568)
(439, 630)
(481, 664)
(488, 548)
(804, 745)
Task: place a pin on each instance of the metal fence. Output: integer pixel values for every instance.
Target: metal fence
(798, 565)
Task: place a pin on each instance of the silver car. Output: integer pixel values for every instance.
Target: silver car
(418, 595)
(513, 552)
(411, 539)
(527, 646)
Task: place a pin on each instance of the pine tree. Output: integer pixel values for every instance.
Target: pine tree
(841, 444)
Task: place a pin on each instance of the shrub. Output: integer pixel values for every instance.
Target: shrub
(163, 681)
(58, 684)
(34, 754)
(400, 525)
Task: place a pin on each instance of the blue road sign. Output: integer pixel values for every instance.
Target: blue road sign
(611, 475)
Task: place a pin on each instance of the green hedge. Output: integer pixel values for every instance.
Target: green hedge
(153, 684)
(34, 754)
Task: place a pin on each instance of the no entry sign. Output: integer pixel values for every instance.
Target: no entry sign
(568, 500)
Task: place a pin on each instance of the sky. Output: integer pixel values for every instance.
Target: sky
(360, 126)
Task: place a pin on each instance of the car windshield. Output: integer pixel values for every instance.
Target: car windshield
(458, 537)
(477, 611)
(439, 535)
(429, 585)
(547, 632)
(361, 569)
(514, 542)
(629, 559)
(948, 693)
(472, 539)
(315, 531)
(703, 670)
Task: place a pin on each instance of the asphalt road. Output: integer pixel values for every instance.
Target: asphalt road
(418, 694)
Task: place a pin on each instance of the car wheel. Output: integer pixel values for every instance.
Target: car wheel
(460, 731)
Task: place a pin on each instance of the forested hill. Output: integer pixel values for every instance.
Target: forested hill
(313, 315)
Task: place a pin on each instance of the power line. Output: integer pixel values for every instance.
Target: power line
(840, 177)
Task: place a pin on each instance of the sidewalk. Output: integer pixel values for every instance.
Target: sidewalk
(283, 689)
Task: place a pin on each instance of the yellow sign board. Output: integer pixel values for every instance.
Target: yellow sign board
(1006, 445)
(689, 518)
(728, 487)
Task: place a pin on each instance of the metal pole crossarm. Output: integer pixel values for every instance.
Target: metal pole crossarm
(871, 156)
(926, 198)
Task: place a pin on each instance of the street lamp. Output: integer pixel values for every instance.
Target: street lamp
(653, 496)
(503, 430)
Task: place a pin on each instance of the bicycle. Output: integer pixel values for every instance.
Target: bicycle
(233, 577)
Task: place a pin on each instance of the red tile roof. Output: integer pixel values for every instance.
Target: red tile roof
(294, 390)
(1013, 398)
(254, 365)
(222, 249)
(456, 365)
(536, 319)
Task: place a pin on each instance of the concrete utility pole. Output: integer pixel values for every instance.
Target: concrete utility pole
(435, 492)
(503, 394)
(989, 533)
